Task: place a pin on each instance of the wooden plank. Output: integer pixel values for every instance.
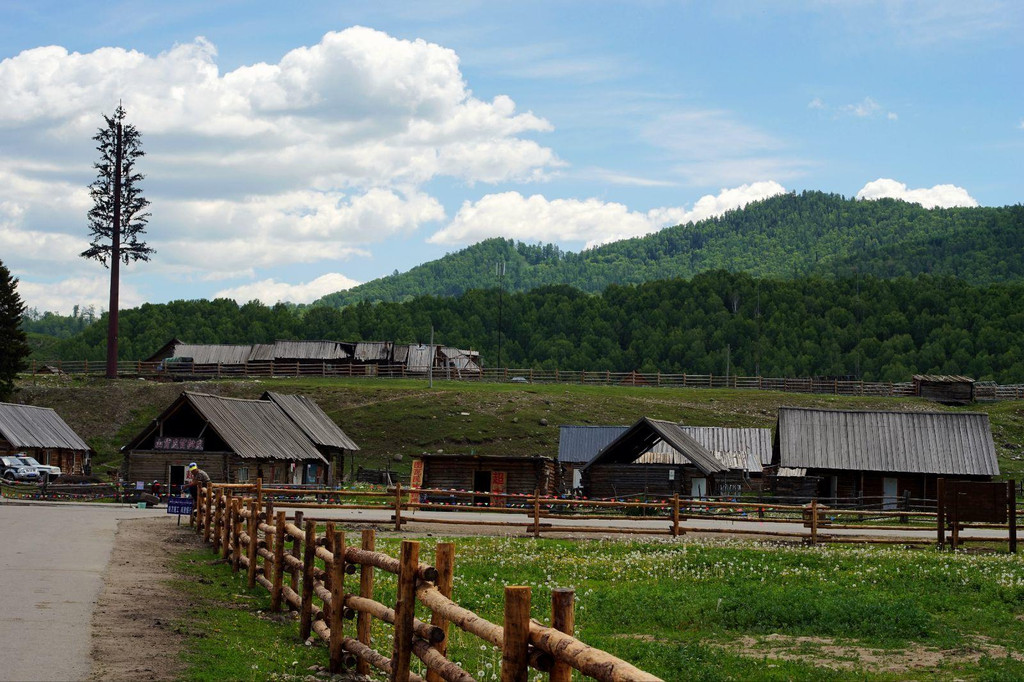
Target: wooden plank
(515, 661)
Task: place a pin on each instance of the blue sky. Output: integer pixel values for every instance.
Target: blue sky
(293, 150)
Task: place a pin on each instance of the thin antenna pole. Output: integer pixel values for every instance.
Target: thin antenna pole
(430, 371)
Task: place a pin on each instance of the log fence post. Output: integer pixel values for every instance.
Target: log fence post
(329, 546)
(254, 524)
(259, 493)
(1012, 513)
(563, 619)
(236, 533)
(297, 553)
(405, 610)
(308, 563)
(364, 623)
(217, 530)
(226, 521)
(278, 568)
(940, 512)
(675, 515)
(337, 572)
(398, 505)
(444, 562)
(536, 512)
(515, 659)
(208, 524)
(814, 521)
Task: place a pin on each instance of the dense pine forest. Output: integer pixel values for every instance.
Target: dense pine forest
(862, 326)
(790, 235)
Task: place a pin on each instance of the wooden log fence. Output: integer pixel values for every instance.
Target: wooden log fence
(249, 535)
(537, 515)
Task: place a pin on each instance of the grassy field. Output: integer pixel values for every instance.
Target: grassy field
(682, 610)
(390, 418)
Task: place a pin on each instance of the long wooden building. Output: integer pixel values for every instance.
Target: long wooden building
(616, 470)
(883, 455)
(40, 432)
(283, 439)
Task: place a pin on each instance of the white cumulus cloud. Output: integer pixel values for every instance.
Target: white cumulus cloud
(592, 221)
(61, 296)
(270, 291)
(939, 196)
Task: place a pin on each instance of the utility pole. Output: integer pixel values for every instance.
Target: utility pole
(115, 260)
(430, 365)
(500, 272)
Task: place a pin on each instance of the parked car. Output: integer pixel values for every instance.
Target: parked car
(13, 469)
(51, 472)
(519, 380)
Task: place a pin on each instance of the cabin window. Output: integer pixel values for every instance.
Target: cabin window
(242, 474)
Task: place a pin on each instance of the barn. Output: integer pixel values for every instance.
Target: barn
(40, 432)
(234, 440)
(882, 456)
(627, 466)
(485, 474)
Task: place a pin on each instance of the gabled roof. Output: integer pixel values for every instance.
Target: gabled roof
(212, 354)
(735, 442)
(310, 350)
(947, 443)
(373, 351)
(252, 429)
(645, 434)
(313, 421)
(943, 379)
(580, 444)
(28, 426)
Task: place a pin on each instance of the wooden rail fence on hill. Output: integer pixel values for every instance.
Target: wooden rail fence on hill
(136, 368)
(240, 522)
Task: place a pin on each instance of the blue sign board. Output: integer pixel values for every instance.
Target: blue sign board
(179, 505)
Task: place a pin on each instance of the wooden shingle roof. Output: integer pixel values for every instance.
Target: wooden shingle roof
(945, 443)
(28, 426)
(313, 421)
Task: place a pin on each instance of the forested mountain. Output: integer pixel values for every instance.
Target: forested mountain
(790, 235)
(872, 328)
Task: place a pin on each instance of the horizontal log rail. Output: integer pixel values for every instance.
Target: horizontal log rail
(240, 529)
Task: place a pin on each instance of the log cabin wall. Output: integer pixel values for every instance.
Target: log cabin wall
(619, 480)
(150, 466)
(523, 474)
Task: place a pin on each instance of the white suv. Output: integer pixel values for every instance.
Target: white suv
(13, 469)
(51, 472)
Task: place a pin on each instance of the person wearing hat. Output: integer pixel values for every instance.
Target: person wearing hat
(196, 476)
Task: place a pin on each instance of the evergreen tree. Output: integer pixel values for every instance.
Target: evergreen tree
(118, 216)
(13, 345)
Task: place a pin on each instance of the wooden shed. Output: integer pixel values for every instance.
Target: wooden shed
(485, 474)
(947, 389)
(689, 468)
(40, 432)
(882, 456)
(232, 439)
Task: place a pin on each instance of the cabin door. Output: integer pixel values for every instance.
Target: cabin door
(890, 493)
(481, 484)
(698, 487)
(177, 478)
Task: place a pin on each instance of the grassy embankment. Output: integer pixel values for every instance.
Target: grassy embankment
(692, 610)
(404, 417)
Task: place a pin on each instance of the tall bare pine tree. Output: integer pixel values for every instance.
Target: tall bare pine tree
(118, 217)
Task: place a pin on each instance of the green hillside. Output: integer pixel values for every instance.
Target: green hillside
(789, 235)
(403, 417)
(716, 322)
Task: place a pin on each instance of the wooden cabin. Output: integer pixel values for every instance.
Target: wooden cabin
(946, 389)
(486, 474)
(744, 451)
(882, 456)
(39, 432)
(232, 439)
(321, 430)
(688, 468)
